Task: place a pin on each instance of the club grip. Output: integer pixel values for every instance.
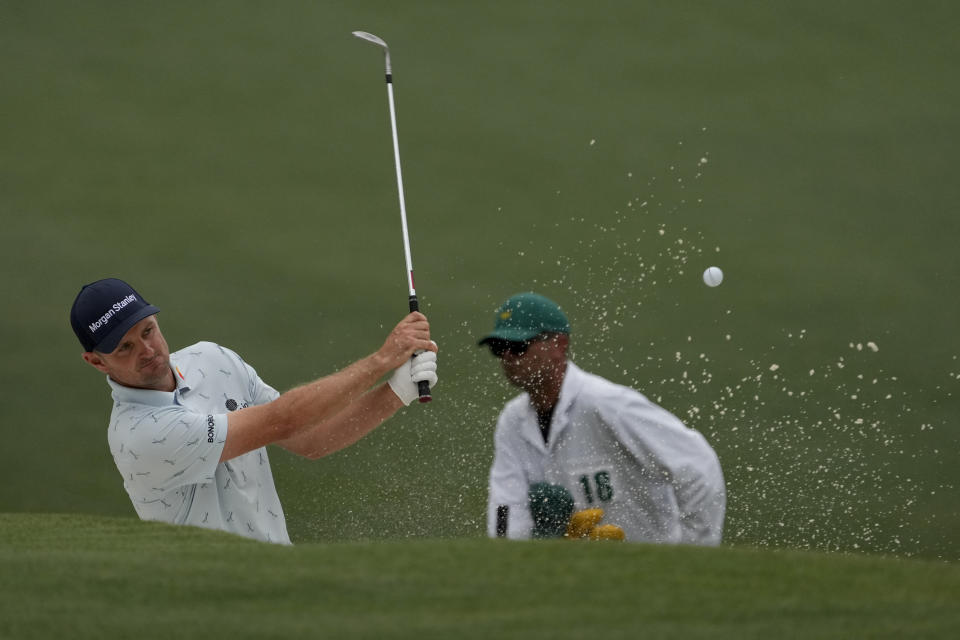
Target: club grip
(423, 387)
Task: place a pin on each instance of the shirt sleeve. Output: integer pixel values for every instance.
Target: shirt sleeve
(259, 391)
(167, 447)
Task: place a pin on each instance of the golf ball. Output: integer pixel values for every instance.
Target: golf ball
(713, 276)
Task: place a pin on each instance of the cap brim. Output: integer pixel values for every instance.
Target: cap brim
(511, 334)
(112, 339)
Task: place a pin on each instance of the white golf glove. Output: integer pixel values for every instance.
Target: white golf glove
(403, 382)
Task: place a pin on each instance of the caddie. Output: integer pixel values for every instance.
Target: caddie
(189, 429)
(576, 455)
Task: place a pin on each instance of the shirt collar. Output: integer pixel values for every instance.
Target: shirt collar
(572, 383)
(186, 378)
(150, 397)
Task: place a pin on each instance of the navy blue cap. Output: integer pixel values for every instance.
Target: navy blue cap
(104, 311)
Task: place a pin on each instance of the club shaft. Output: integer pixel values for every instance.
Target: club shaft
(403, 206)
(423, 387)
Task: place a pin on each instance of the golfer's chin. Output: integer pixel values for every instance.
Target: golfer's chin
(156, 375)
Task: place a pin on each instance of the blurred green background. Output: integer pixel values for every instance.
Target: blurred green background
(233, 161)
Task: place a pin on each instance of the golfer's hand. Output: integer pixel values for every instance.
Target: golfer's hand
(411, 335)
(405, 378)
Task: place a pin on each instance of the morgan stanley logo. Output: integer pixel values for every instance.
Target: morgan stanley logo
(114, 309)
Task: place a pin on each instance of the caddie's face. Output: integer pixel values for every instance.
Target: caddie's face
(544, 358)
(141, 359)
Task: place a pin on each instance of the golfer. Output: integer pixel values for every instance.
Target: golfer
(574, 443)
(189, 429)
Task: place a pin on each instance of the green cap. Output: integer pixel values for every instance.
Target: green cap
(525, 316)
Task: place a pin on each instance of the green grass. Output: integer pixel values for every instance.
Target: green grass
(233, 161)
(96, 577)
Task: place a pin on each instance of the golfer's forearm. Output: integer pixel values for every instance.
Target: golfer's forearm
(304, 406)
(346, 427)
(300, 409)
(312, 403)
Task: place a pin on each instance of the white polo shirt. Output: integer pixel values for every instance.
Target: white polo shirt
(611, 448)
(167, 447)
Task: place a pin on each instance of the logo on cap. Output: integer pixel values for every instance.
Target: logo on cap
(112, 311)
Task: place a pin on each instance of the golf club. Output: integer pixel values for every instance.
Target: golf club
(423, 386)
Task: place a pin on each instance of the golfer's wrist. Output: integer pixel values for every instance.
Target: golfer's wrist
(394, 401)
(380, 364)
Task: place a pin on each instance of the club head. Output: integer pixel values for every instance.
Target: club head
(369, 37)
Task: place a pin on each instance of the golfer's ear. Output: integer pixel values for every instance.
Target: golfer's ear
(93, 359)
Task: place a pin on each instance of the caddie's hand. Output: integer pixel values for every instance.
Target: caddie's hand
(406, 377)
(411, 334)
